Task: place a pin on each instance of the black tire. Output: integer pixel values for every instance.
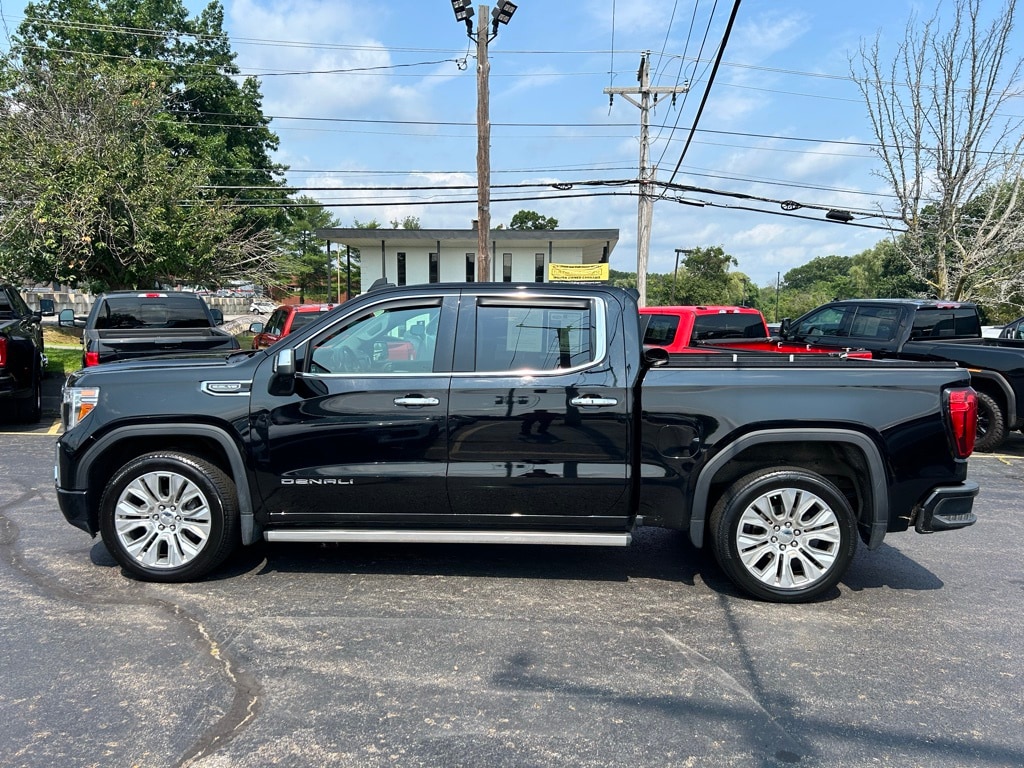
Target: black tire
(784, 534)
(169, 517)
(991, 431)
(29, 410)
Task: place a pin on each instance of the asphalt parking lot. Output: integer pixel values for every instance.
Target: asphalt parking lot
(402, 655)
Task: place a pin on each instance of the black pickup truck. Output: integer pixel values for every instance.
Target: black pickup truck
(913, 329)
(22, 359)
(123, 325)
(527, 414)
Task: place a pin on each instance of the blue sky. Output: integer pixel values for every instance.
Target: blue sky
(383, 94)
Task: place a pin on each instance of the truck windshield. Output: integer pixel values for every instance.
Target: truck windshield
(146, 312)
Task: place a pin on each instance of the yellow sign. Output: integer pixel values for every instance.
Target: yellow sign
(562, 273)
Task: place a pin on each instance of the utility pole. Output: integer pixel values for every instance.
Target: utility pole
(485, 32)
(645, 208)
(483, 155)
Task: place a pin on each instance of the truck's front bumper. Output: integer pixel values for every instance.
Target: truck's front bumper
(948, 508)
(74, 506)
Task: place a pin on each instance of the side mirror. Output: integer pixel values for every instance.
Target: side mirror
(218, 316)
(284, 363)
(785, 326)
(283, 380)
(255, 328)
(655, 356)
(66, 318)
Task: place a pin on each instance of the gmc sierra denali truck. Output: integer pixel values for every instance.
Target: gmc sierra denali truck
(532, 415)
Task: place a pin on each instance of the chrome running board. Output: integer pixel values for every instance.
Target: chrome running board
(572, 538)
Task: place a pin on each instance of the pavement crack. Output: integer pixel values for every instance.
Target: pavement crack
(247, 689)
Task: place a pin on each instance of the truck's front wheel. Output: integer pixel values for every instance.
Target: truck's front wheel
(169, 517)
(783, 534)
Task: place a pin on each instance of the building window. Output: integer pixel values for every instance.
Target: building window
(506, 267)
(538, 268)
(470, 267)
(401, 269)
(435, 268)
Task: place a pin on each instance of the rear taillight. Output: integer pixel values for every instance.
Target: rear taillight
(92, 358)
(962, 405)
(3, 352)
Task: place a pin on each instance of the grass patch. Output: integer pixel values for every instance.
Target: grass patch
(61, 336)
(61, 361)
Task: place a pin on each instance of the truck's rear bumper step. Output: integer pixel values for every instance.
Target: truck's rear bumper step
(948, 508)
(572, 538)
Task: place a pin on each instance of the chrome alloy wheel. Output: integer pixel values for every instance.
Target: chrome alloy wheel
(788, 538)
(162, 520)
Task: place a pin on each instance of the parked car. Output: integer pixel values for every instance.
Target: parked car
(262, 306)
(129, 324)
(531, 415)
(284, 320)
(22, 360)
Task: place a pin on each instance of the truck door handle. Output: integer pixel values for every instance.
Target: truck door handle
(593, 401)
(416, 401)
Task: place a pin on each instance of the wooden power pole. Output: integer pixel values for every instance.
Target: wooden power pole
(645, 208)
(483, 151)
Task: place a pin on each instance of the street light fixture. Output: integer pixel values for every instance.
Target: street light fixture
(464, 12)
(501, 14)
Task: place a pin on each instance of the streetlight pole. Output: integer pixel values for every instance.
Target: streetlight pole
(483, 156)
(501, 14)
(675, 274)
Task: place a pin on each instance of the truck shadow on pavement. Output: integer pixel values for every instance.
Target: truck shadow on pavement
(655, 554)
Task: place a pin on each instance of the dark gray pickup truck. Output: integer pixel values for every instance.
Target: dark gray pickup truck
(920, 329)
(123, 325)
(22, 360)
(522, 415)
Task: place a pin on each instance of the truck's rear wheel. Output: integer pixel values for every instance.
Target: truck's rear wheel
(169, 517)
(29, 410)
(783, 534)
(991, 430)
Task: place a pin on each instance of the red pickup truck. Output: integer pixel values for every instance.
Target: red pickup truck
(703, 329)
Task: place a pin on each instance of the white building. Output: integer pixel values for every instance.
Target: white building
(415, 256)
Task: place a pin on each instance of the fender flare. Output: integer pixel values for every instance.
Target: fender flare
(217, 434)
(877, 486)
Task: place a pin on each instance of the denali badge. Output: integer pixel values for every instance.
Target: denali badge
(315, 481)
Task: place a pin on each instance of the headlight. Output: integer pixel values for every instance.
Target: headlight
(78, 402)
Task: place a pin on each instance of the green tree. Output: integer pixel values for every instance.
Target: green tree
(97, 198)
(704, 276)
(409, 222)
(823, 269)
(169, 98)
(307, 264)
(532, 220)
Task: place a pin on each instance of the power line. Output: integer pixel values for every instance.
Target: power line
(707, 89)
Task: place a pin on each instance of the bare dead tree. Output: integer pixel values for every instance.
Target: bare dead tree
(951, 149)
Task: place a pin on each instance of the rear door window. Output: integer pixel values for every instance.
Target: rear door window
(550, 337)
